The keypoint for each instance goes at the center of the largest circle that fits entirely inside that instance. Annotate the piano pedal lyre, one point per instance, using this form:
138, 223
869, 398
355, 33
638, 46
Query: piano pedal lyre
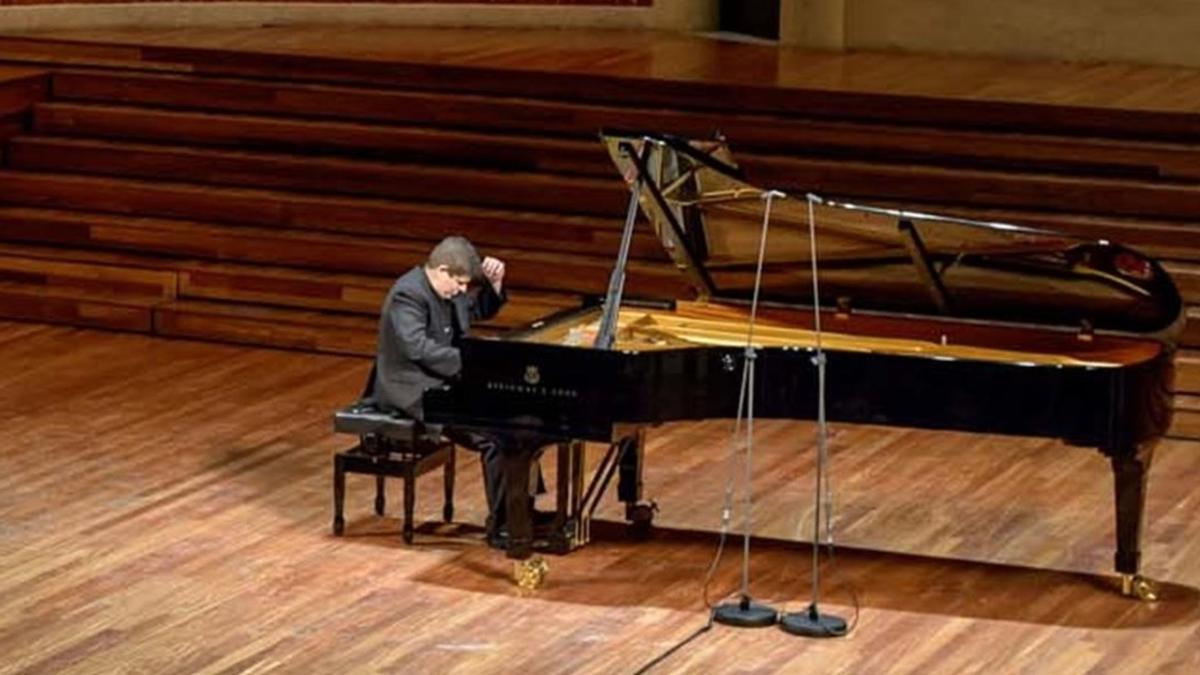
1138, 586
530, 574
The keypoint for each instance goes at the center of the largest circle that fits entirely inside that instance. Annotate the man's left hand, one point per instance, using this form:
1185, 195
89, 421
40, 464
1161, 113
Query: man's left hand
493, 271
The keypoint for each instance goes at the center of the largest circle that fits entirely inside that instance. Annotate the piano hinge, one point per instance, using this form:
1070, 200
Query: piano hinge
843, 308
1087, 332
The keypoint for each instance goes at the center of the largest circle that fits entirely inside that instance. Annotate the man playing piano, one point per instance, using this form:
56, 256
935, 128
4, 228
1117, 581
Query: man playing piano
425, 313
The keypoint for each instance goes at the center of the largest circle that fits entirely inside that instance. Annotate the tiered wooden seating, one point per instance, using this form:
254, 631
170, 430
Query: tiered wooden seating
267, 326
322, 212
583, 275
404, 143
285, 188
111, 295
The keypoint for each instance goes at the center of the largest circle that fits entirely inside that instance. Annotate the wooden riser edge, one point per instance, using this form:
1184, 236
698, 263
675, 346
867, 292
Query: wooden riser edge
1185, 422
213, 322
594, 88
136, 277
118, 315
489, 144
304, 331
597, 197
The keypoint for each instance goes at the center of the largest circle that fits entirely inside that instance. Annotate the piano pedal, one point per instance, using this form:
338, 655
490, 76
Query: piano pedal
1138, 586
530, 574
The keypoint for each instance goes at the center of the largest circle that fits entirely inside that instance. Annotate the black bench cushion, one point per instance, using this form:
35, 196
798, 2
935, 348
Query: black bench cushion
362, 419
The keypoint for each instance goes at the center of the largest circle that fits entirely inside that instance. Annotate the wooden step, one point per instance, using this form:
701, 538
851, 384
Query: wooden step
1187, 371
517, 190
87, 278
81, 293
339, 292
26, 303
1186, 276
54, 52
792, 133
98, 274
1190, 335
562, 194
20, 88
557, 272
397, 143
818, 97
116, 259
1162, 239
916, 184
357, 215
1077, 156
267, 327
765, 135
1185, 421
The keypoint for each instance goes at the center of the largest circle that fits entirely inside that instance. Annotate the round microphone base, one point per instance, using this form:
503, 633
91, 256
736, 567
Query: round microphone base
745, 614
811, 623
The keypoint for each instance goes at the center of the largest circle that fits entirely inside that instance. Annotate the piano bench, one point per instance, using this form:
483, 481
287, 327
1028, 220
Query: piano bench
390, 446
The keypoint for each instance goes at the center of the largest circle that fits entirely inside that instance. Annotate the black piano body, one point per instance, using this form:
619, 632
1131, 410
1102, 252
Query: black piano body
939, 324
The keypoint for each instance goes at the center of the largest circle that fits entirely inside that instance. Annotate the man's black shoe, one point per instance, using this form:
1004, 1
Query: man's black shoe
498, 539
543, 523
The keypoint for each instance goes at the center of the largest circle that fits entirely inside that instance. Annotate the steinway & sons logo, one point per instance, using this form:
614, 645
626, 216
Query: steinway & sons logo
531, 384
532, 375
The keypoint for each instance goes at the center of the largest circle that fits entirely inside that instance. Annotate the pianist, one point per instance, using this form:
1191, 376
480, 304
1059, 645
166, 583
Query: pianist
424, 314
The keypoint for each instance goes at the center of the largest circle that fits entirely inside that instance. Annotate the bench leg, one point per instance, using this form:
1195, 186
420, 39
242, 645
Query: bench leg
410, 500
448, 484
339, 493
380, 495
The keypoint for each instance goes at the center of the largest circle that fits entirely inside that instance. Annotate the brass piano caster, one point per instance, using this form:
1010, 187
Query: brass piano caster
530, 574
1138, 586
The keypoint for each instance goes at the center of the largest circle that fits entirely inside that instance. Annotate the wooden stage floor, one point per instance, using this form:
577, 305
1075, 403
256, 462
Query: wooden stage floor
165, 508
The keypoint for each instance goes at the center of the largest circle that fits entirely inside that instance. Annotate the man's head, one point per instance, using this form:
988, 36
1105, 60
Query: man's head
451, 266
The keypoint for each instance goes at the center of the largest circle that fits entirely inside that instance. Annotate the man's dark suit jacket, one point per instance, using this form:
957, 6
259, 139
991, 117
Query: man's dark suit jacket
418, 332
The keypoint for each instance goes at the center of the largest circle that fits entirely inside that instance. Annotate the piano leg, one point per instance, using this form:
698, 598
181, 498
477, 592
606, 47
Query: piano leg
629, 484
517, 463
1129, 479
529, 571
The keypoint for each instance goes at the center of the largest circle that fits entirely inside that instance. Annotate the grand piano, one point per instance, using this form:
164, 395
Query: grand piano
927, 322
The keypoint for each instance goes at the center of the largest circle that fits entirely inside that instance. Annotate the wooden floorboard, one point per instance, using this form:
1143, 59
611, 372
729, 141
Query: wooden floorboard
166, 507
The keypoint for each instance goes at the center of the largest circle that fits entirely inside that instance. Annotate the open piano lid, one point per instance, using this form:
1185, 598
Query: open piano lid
709, 220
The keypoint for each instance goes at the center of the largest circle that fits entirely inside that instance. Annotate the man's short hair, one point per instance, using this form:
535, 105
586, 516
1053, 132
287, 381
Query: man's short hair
458, 255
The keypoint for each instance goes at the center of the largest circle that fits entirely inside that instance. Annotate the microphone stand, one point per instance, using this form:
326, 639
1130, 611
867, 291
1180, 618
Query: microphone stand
812, 622
745, 612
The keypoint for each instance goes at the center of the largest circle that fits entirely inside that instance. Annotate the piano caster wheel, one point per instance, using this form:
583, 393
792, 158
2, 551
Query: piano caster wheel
1138, 586
640, 517
339, 526
530, 574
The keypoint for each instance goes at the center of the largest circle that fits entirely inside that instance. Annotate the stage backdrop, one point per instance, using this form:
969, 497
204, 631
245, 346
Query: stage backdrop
673, 15
1138, 31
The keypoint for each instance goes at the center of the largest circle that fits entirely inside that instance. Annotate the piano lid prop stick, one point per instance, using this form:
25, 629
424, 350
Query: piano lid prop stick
745, 612
811, 622
616, 282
